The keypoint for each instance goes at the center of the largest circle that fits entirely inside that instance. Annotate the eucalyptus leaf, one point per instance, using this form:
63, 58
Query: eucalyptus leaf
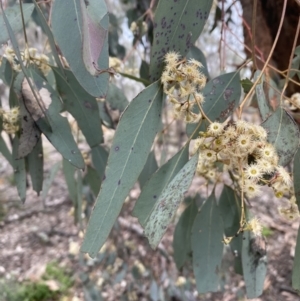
5, 151
296, 177
254, 265
116, 98
99, 158
168, 202
67, 24
6, 71
69, 173
157, 183
49, 179
222, 95
149, 168
207, 246
197, 54
177, 25
182, 235
81, 105
19, 171
283, 133
133, 139
14, 17
35, 162
92, 179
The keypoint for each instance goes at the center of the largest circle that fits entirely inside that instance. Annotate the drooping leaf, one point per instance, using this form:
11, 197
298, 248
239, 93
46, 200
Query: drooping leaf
222, 95
94, 35
149, 168
134, 136
296, 177
69, 173
116, 98
157, 183
35, 166
104, 114
283, 133
5, 151
207, 246
19, 171
49, 179
92, 179
296, 265
13, 15
263, 104
48, 31
67, 25
295, 66
254, 265
99, 158
59, 134
30, 133
167, 204
177, 25
230, 211
6, 71
182, 235
197, 54
144, 70
81, 105
246, 85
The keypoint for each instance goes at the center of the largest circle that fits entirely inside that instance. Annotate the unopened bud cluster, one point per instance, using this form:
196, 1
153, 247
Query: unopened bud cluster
182, 82
243, 149
10, 120
29, 56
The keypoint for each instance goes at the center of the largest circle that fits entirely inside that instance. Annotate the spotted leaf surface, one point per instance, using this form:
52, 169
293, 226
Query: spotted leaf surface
207, 246
132, 142
222, 95
157, 184
283, 133
177, 25
168, 202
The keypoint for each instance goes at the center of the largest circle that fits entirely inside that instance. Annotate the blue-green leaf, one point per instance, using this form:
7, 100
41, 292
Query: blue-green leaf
167, 204
92, 179
182, 235
222, 95
283, 133
296, 265
177, 25
69, 173
49, 179
116, 98
207, 246
19, 171
35, 166
296, 177
197, 54
263, 104
134, 136
149, 168
13, 15
5, 151
59, 134
6, 72
67, 25
99, 158
157, 183
254, 265
81, 105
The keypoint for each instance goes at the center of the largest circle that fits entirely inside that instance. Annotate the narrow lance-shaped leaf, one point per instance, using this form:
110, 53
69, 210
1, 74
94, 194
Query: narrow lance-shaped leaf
149, 168
296, 177
5, 151
296, 265
99, 158
13, 15
157, 183
168, 202
35, 166
49, 180
283, 133
116, 98
177, 25
134, 136
263, 105
182, 235
19, 171
67, 24
6, 71
222, 95
254, 265
81, 105
207, 246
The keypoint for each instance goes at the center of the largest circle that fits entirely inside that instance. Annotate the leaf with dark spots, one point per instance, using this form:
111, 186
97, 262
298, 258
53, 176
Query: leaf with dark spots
168, 202
283, 133
222, 95
176, 29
